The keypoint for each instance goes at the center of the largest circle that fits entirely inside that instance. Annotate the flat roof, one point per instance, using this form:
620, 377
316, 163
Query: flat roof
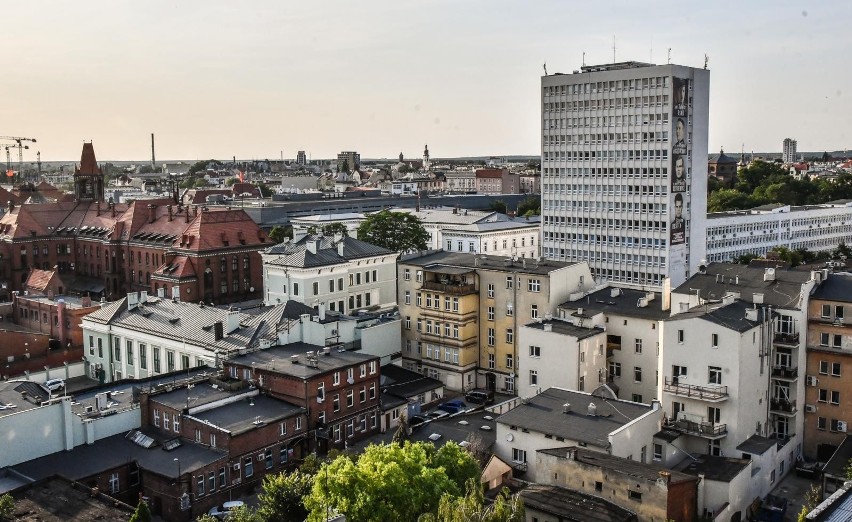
481, 262
625, 303
565, 328
721, 279
279, 359
757, 445
560, 501
634, 468
57, 499
248, 414
543, 413
836, 465
721, 469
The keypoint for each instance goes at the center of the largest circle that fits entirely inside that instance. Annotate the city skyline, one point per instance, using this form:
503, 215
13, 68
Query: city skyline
385, 78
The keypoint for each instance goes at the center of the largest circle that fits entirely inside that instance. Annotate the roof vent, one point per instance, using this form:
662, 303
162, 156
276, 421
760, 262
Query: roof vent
593, 410
769, 274
294, 359
566, 408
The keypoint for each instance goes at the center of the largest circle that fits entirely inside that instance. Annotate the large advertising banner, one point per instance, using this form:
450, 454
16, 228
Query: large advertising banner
680, 95
679, 165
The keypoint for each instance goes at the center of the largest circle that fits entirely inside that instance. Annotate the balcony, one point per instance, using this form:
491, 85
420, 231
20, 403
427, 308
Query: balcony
784, 373
692, 391
786, 339
449, 288
783, 407
703, 429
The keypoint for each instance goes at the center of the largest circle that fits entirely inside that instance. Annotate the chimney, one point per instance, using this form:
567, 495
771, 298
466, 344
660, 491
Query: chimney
312, 245
548, 327
769, 274
112, 207
751, 314
195, 211
152, 214
171, 215
571, 454
132, 301
218, 331
757, 299
143, 297
60, 316
161, 292
186, 217
667, 294
340, 249
322, 311
98, 208
233, 321
175, 292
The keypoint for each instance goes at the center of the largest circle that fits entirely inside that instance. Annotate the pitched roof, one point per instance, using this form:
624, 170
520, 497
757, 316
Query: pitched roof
838, 287
296, 253
625, 303
39, 279
731, 316
213, 230
543, 413
88, 163
561, 501
634, 468
720, 279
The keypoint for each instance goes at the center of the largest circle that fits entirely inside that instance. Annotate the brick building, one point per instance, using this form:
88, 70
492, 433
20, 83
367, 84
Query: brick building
200, 253
339, 389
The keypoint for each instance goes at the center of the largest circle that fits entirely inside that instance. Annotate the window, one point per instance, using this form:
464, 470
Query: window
519, 455
837, 341
821, 423
598, 486
714, 375
510, 335
212, 440
156, 359
680, 336
491, 290
823, 339
143, 356
282, 455
321, 391
826, 310
298, 423
637, 346
491, 336
614, 369
362, 395
634, 495
533, 378
637, 374
510, 309
335, 402
170, 360
535, 351
157, 418
316, 288
350, 398
838, 312
823, 367
408, 297
419, 276
714, 340
491, 361
100, 348
658, 452
211, 481
714, 414
509, 281
372, 367
336, 380
835, 369
534, 285
406, 274
372, 391
130, 353
510, 361
534, 311
835, 397
267, 455
176, 423
222, 481
248, 466
114, 484
362, 370
295, 291
199, 489
490, 313
165, 421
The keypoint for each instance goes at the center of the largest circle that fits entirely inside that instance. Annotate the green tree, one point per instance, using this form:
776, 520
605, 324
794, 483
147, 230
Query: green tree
265, 191
7, 507
794, 257
842, 250
728, 199
230, 181
745, 259
201, 166
281, 499
343, 166
142, 513
472, 508
498, 206
397, 231
279, 233
389, 482
530, 206
200, 183
812, 499
401, 435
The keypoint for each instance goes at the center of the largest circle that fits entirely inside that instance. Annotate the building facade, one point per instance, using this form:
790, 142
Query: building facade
624, 170
760, 230
788, 150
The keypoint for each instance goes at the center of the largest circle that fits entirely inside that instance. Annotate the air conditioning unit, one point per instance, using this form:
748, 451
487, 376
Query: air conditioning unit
841, 426
350, 380
236, 466
260, 457
810, 408
334, 332
811, 380
320, 400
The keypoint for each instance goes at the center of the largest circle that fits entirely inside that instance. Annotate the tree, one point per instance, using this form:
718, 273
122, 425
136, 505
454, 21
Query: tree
281, 499
812, 499
401, 435
498, 206
200, 183
472, 508
530, 206
390, 482
279, 233
142, 513
265, 191
343, 166
7, 507
397, 231
330, 230
230, 181
842, 250
745, 259
794, 257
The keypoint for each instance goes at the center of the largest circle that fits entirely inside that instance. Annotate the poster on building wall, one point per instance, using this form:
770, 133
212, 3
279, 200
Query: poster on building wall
680, 95
679, 146
678, 174
677, 228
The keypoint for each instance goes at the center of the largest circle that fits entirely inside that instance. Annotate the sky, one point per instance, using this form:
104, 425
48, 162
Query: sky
266, 78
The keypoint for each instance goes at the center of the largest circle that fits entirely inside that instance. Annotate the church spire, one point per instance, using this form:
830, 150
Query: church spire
88, 177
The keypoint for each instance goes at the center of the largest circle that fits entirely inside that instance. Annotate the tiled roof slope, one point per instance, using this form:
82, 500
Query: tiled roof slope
296, 253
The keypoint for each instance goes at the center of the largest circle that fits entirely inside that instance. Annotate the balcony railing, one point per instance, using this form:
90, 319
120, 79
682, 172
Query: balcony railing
786, 338
707, 430
704, 393
785, 373
456, 289
782, 407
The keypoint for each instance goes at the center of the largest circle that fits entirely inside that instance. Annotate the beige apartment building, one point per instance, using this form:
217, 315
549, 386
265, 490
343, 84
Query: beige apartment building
462, 313
828, 395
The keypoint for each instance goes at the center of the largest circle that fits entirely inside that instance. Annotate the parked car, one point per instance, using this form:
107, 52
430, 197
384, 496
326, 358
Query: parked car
222, 512
417, 420
453, 406
480, 397
54, 385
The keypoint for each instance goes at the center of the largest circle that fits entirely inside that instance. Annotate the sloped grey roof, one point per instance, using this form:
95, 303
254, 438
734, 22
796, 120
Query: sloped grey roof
838, 287
566, 328
543, 414
296, 253
732, 316
193, 323
721, 279
559, 501
626, 303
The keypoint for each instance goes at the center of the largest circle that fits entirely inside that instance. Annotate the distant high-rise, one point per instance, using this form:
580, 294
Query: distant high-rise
624, 170
350, 161
301, 158
788, 155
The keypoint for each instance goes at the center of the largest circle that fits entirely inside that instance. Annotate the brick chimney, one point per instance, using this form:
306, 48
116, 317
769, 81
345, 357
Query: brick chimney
171, 215
152, 214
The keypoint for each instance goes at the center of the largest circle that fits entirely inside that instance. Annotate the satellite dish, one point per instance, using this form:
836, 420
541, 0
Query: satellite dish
510, 437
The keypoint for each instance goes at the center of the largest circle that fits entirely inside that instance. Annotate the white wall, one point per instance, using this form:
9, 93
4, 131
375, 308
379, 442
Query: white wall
559, 363
382, 339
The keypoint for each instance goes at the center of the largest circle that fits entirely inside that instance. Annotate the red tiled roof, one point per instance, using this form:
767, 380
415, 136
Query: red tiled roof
239, 189
88, 163
214, 229
39, 279
489, 173
179, 267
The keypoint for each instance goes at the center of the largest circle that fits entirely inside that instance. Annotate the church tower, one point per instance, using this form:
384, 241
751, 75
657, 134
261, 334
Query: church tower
426, 163
88, 177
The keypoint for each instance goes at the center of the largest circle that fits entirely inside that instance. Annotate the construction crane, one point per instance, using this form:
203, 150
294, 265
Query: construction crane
19, 143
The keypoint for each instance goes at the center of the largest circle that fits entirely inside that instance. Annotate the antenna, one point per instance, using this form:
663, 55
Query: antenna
706, 60
669, 60
545, 68
584, 58
613, 49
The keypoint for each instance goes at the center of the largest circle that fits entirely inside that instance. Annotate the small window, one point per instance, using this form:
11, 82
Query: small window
634, 495
714, 375
598, 486
714, 340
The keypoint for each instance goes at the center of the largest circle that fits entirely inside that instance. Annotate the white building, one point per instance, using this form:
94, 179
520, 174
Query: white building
624, 170
341, 273
759, 230
461, 181
559, 354
788, 153
304, 224
632, 320
556, 418
479, 232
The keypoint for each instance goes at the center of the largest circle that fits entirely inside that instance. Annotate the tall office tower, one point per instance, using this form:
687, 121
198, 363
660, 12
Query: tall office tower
624, 170
301, 158
789, 151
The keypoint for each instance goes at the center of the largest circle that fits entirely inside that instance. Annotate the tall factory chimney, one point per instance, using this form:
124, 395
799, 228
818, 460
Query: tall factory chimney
153, 157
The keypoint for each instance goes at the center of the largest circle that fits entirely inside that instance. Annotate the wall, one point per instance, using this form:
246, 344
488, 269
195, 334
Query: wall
559, 364
628, 440
382, 340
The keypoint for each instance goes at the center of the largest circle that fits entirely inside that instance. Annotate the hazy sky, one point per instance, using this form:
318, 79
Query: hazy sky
253, 79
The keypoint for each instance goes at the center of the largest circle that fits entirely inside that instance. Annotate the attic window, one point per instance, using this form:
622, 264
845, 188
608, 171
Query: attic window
174, 320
